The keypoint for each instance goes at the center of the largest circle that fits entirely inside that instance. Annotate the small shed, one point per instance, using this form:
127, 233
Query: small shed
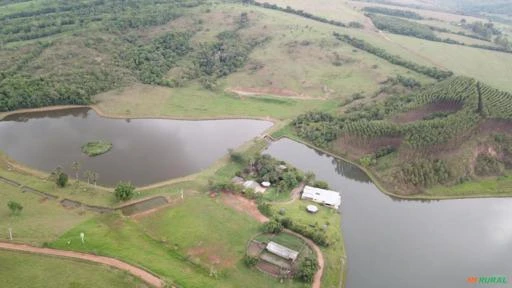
250, 184
282, 251
325, 197
237, 180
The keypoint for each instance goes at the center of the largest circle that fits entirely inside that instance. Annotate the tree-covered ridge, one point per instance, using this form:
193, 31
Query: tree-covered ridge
414, 29
477, 101
394, 59
106, 50
393, 12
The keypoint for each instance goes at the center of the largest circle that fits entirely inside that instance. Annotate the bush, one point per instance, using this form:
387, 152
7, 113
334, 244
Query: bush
250, 261
62, 180
307, 270
15, 207
272, 226
321, 184
124, 191
487, 165
265, 209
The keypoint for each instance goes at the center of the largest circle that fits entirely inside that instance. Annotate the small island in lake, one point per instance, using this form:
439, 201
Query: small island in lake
96, 148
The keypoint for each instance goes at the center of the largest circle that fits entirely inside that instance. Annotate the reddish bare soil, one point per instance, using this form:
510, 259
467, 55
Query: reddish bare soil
273, 91
243, 205
357, 147
138, 272
421, 112
491, 125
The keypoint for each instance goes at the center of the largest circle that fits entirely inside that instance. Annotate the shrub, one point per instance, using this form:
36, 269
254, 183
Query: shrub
62, 180
250, 261
265, 209
307, 269
15, 207
124, 191
321, 184
486, 165
272, 226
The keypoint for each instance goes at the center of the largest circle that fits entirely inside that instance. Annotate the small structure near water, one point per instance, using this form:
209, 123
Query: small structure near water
250, 184
325, 197
282, 251
312, 209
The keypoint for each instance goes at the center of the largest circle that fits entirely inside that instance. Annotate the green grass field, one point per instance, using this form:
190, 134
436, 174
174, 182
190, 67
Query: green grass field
40, 221
197, 243
22, 270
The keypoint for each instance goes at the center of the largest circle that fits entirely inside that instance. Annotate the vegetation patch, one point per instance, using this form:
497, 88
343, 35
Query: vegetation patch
96, 148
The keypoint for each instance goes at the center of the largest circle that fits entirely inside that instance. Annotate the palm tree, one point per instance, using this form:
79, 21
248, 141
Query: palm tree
76, 167
88, 175
95, 177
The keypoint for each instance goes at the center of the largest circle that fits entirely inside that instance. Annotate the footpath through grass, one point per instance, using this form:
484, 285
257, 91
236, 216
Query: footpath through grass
22, 270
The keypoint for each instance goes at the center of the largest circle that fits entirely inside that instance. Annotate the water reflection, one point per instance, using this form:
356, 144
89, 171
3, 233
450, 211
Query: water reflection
403, 244
144, 151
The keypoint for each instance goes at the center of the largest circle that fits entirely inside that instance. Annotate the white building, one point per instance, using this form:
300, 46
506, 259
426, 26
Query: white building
282, 251
325, 197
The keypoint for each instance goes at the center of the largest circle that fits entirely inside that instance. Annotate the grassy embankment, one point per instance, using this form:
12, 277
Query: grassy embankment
20, 270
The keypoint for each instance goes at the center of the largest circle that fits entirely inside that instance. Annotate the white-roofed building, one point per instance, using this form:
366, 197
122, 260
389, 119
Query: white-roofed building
325, 197
282, 251
250, 184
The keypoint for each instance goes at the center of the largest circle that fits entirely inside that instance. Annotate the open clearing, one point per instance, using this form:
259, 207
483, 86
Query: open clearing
21, 270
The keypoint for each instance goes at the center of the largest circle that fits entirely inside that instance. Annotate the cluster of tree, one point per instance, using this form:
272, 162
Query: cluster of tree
488, 165
504, 147
301, 13
152, 61
124, 191
394, 12
269, 169
15, 207
307, 270
495, 103
397, 60
315, 233
403, 27
485, 30
423, 173
222, 57
319, 128
372, 159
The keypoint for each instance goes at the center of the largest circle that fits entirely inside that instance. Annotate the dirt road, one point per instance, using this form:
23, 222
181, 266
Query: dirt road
244, 205
138, 272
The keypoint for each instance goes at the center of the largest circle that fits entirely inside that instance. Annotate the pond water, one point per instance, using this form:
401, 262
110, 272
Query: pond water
145, 151
406, 244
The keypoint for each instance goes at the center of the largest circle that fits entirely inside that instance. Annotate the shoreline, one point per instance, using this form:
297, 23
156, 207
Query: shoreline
39, 173
107, 115
379, 185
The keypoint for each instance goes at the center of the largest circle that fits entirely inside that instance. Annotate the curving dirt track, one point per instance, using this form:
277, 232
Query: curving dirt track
138, 272
245, 205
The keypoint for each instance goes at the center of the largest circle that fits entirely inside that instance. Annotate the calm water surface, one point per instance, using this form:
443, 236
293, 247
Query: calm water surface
144, 151
410, 244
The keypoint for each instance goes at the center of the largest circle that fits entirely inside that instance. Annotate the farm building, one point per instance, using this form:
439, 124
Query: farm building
282, 251
254, 185
322, 196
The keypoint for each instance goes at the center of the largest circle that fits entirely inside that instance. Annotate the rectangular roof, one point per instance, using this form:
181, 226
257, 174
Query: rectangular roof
282, 251
323, 196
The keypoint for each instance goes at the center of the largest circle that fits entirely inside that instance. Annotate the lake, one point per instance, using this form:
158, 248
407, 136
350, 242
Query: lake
145, 151
394, 243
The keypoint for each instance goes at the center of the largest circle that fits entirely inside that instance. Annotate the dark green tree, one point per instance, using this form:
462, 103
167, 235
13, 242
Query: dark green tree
124, 191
